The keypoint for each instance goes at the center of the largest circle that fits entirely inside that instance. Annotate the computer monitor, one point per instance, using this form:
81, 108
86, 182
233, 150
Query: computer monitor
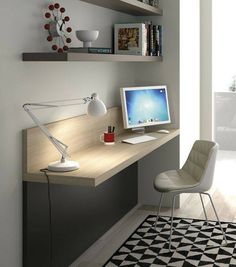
144, 106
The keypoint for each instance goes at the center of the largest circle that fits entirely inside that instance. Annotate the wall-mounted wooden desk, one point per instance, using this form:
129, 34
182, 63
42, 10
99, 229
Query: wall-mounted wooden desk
100, 162
88, 201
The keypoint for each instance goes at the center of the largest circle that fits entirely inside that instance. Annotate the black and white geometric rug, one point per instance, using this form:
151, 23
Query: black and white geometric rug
193, 244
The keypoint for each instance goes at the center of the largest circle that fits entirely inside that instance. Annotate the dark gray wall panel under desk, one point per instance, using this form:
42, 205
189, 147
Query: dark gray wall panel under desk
80, 215
164, 158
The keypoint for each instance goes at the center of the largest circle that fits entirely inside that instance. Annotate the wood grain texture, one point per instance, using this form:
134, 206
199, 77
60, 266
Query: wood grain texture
98, 162
78, 133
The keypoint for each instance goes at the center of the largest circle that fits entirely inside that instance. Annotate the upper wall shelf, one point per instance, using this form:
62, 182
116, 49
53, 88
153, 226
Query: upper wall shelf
132, 7
88, 57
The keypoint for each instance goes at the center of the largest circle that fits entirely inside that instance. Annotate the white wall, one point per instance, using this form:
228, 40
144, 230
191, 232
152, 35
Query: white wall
162, 73
34, 81
166, 72
206, 70
189, 75
180, 69
22, 31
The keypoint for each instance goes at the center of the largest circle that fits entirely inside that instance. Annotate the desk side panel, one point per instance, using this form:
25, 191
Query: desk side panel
80, 216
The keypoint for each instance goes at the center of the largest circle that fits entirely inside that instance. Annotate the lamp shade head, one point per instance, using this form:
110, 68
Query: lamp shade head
96, 107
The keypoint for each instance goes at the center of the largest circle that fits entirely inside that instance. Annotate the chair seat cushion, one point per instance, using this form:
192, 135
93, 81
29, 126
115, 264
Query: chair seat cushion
174, 180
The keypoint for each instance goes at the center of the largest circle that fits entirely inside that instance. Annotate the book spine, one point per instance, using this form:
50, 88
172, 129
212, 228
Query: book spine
160, 30
147, 26
95, 50
157, 41
154, 52
147, 36
100, 50
151, 40
144, 40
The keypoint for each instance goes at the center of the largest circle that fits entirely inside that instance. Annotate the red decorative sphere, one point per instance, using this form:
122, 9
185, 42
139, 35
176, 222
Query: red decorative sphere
47, 26
51, 7
66, 18
56, 5
49, 38
68, 40
54, 47
65, 47
69, 29
47, 15
60, 50
62, 9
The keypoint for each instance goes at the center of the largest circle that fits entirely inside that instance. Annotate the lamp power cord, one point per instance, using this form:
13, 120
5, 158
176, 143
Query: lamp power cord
50, 215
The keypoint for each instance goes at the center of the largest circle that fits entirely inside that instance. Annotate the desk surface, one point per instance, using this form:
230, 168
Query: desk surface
100, 162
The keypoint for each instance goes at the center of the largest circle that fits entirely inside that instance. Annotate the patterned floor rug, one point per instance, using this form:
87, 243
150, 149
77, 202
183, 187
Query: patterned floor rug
194, 243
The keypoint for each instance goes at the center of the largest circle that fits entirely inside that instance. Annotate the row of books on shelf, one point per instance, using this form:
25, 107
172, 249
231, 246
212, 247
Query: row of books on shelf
144, 39
154, 3
154, 40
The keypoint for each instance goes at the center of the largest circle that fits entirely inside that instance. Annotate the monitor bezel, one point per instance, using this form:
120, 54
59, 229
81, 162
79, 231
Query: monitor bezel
124, 106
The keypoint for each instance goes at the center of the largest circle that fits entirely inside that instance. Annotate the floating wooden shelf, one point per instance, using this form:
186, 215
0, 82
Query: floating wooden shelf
88, 57
133, 7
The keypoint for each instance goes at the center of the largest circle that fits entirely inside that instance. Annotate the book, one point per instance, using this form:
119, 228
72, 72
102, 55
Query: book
154, 46
147, 26
94, 50
144, 1
151, 41
130, 39
160, 29
155, 40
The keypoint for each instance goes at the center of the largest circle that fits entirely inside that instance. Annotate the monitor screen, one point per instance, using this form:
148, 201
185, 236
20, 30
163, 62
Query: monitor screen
145, 106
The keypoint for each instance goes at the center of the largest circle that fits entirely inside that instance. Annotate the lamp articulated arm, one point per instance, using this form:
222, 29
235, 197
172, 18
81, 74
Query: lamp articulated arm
95, 108
60, 146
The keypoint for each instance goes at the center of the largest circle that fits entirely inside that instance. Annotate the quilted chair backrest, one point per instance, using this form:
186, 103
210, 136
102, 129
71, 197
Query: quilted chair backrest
200, 163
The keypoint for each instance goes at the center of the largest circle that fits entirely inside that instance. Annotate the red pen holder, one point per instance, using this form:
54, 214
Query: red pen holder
108, 138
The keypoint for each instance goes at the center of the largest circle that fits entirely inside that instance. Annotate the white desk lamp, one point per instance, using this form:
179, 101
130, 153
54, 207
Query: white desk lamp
95, 108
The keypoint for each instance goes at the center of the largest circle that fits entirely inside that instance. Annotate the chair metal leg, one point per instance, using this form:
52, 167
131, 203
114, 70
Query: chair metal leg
159, 209
223, 233
171, 226
204, 208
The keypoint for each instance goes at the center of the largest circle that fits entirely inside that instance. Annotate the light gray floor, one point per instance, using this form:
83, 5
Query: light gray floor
223, 193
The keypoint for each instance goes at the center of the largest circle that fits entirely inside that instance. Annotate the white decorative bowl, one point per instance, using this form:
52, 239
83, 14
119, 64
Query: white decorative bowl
87, 36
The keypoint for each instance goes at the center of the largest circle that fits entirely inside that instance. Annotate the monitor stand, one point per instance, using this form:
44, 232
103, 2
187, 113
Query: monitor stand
138, 130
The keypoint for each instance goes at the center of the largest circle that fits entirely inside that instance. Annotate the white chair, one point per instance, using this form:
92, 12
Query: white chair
196, 176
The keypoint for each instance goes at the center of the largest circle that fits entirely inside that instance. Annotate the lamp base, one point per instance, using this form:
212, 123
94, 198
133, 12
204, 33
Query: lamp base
67, 166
